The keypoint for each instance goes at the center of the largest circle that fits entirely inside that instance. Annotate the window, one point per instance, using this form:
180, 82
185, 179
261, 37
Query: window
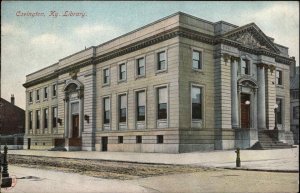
279, 111
141, 103
161, 60
196, 103
30, 97
30, 119
141, 66
106, 114
122, 71
245, 66
160, 139
106, 76
278, 77
295, 94
54, 90
38, 116
122, 108
162, 103
138, 139
45, 118
120, 139
46, 92
197, 60
296, 112
37, 95
54, 117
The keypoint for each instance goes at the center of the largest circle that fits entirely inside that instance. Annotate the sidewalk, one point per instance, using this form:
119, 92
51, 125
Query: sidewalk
281, 160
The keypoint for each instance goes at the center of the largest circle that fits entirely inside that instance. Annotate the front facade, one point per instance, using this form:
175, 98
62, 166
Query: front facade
179, 84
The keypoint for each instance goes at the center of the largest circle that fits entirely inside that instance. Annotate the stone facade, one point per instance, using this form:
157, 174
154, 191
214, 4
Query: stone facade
176, 85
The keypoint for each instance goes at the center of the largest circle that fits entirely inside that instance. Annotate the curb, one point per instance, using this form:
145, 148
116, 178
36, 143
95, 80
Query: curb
261, 170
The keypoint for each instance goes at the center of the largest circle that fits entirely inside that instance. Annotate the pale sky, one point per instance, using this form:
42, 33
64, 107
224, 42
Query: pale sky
31, 43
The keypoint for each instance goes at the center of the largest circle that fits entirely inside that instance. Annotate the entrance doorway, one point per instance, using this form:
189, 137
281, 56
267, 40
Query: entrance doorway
104, 143
28, 143
245, 110
75, 124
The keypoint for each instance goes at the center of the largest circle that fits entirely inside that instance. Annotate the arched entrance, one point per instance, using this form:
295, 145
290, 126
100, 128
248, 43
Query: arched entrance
247, 96
246, 135
73, 114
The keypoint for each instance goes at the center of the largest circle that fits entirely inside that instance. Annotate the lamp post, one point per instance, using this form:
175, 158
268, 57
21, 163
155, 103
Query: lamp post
275, 112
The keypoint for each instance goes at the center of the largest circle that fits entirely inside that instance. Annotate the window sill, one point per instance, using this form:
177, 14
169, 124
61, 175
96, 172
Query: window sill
161, 71
197, 123
122, 81
37, 101
140, 76
123, 126
140, 124
162, 123
279, 86
54, 97
106, 127
30, 103
105, 85
198, 70
45, 99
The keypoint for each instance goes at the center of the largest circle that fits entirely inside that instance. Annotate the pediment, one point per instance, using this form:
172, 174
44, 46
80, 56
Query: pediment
252, 37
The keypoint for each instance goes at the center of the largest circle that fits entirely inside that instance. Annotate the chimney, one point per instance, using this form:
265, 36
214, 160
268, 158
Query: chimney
12, 99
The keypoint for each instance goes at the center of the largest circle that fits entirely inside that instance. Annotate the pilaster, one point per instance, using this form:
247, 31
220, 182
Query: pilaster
89, 109
223, 92
270, 97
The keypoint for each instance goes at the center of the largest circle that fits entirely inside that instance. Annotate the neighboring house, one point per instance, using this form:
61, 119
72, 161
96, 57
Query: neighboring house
12, 124
294, 86
179, 84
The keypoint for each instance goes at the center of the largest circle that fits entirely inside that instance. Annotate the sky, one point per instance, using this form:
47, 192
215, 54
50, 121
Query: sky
29, 43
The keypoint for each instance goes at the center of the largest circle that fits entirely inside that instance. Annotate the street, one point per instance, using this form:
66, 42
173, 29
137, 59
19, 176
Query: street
33, 180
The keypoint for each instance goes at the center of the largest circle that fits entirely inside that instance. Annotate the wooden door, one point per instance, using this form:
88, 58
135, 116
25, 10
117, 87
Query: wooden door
75, 123
245, 111
245, 115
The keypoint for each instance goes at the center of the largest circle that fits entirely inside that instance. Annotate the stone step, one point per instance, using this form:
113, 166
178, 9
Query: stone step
266, 141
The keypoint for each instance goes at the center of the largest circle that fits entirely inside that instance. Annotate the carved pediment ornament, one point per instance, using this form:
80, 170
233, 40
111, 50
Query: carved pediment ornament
272, 68
73, 74
248, 83
247, 38
226, 57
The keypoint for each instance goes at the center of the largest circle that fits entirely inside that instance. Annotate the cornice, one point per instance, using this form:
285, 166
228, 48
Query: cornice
160, 37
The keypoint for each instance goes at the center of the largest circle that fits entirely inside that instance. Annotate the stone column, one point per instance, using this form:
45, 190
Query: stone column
66, 118
234, 94
261, 100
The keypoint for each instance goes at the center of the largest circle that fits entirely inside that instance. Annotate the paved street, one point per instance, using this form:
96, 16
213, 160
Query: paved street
36, 180
273, 160
284, 164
